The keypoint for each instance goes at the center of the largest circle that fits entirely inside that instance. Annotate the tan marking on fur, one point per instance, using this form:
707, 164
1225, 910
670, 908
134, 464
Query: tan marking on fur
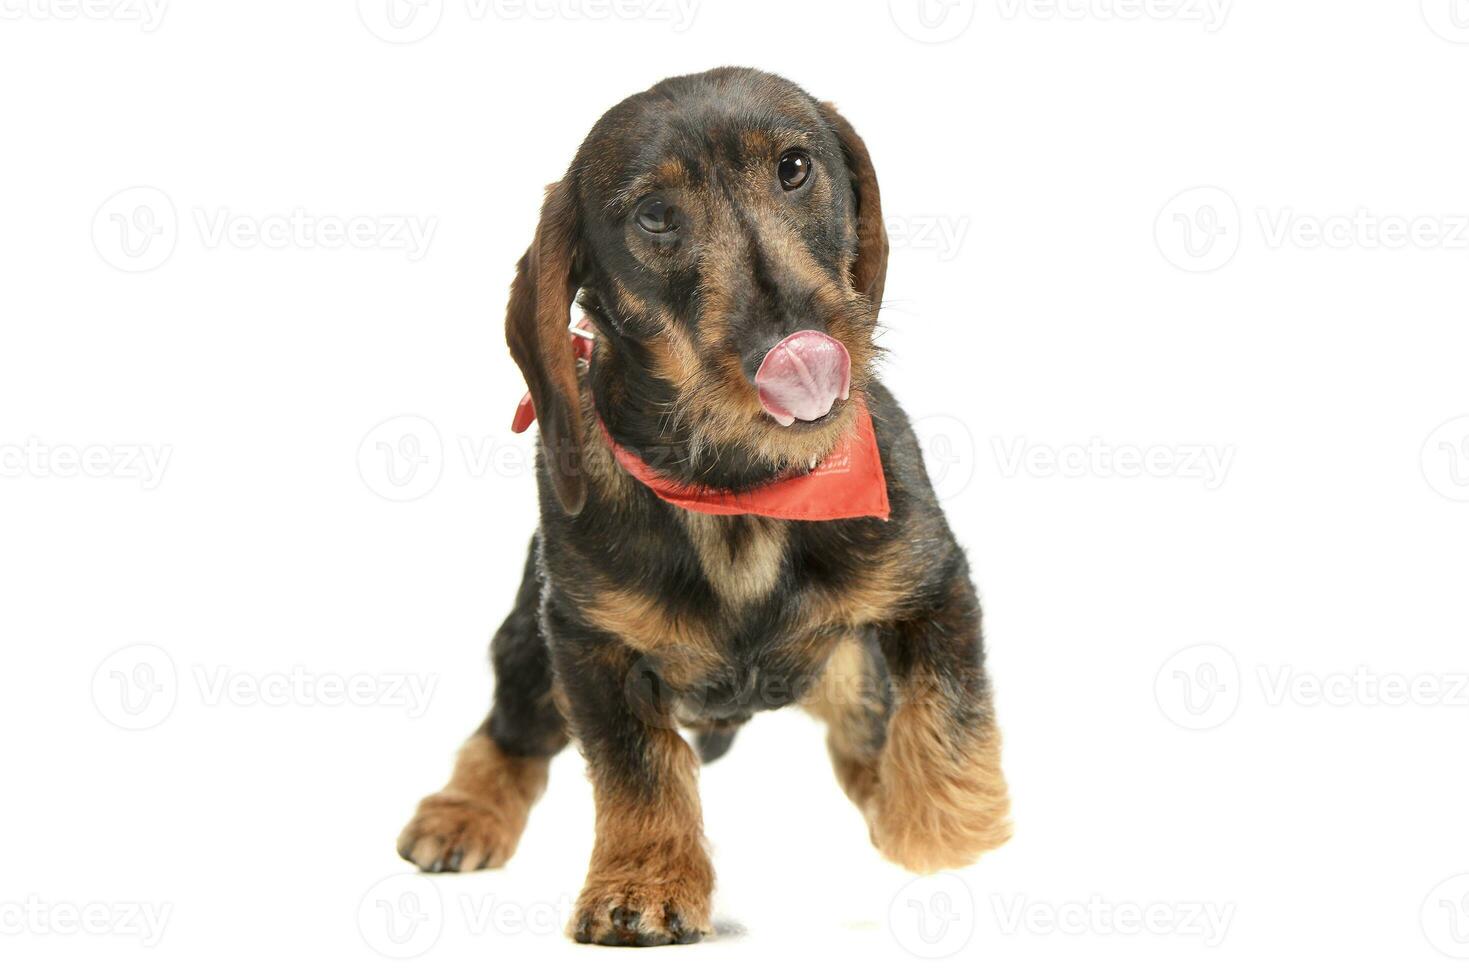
681, 646
650, 856
675, 360
629, 304
602, 470
939, 803
874, 597
845, 700
738, 579
671, 172
559, 698
480, 814
785, 246
598, 463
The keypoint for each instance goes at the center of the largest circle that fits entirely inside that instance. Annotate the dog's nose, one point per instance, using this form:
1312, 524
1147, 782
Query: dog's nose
803, 376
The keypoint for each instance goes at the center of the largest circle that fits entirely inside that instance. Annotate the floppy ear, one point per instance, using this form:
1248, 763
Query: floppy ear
536, 328
870, 270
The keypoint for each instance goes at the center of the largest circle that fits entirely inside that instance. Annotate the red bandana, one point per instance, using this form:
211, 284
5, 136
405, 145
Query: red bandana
847, 483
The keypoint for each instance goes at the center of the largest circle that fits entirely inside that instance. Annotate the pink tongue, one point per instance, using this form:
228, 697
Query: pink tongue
803, 376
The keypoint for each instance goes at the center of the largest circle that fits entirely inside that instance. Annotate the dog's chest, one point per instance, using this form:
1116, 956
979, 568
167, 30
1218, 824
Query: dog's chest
742, 612
761, 651
742, 558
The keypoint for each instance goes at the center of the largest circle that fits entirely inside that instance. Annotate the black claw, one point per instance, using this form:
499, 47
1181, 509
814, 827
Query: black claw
625, 919
454, 860
682, 935
625, 928
437, 866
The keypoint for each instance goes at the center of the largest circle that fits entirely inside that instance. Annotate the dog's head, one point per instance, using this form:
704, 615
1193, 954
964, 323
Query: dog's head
724, 232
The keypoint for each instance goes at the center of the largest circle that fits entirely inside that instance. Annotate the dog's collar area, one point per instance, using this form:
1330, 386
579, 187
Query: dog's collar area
582, 341
848, 483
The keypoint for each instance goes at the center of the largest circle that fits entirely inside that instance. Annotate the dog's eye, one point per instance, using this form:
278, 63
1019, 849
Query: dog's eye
656, 216
794, 168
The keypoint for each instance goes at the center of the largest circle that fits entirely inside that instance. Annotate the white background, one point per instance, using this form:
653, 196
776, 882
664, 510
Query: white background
1198, 671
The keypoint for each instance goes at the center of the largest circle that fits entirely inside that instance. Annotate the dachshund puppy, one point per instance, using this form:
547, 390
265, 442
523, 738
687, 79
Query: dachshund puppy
734, 513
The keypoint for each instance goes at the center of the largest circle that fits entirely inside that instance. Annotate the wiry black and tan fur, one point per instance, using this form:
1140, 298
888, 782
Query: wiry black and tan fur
636, 618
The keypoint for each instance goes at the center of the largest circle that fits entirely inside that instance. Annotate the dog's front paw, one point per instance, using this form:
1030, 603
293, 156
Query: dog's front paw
939, 802
644, 909
454, 832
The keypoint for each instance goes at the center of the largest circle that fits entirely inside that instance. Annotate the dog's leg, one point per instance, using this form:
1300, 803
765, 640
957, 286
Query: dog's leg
940, 798
854, 698
650, 879
477, 819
